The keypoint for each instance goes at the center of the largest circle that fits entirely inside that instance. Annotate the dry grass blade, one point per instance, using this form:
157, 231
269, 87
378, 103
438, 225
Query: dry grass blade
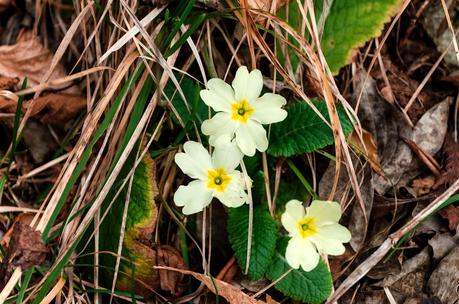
132, 32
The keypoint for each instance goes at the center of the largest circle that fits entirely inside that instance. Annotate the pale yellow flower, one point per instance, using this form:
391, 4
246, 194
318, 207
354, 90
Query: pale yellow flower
313, 231
215, 176
241, 110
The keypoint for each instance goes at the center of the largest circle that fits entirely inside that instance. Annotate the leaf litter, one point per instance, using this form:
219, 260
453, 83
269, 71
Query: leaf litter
405, 158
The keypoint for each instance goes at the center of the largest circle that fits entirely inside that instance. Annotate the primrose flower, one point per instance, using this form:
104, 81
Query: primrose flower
215, 176
313, 231
241, 110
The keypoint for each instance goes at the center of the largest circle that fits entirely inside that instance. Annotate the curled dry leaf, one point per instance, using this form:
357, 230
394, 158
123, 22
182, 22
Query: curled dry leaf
28, 58
232, 294
55, 108
25, 249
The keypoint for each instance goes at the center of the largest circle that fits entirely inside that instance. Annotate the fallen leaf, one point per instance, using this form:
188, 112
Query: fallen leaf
422, 186
433, 21
451, 213
28, 58
429, 132
410, 280
39, 141
444, 279
442, 244
369, 146
232, 294
389, 127
25, 249
55, 108
8, 83
24, 218
169, 256
451, 172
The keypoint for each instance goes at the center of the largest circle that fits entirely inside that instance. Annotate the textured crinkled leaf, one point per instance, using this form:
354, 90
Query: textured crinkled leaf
311, 287
191, 89
304, 131
264, 236
351, 23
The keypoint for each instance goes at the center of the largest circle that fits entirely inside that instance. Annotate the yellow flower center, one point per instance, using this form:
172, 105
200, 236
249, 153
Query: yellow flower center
218, 179
307, 227
241, 111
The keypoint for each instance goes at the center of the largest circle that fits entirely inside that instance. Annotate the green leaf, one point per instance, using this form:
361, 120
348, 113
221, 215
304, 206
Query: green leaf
191, 89
304, 131
351, 23
311, 287
264, 236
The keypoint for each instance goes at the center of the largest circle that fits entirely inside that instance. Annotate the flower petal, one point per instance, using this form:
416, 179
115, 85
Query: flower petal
195, 161
325, 212
194, 197
328, 246
251, 136
294, 212
301, 252
247, 85
219, 125
219, 96
226, 154
335, 231
268, 108
329, 239
234, 195
221, 88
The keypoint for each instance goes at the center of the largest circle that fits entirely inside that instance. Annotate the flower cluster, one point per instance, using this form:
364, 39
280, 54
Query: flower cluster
237, 130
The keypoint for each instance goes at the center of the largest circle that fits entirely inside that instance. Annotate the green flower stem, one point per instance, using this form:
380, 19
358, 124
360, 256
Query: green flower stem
302, 179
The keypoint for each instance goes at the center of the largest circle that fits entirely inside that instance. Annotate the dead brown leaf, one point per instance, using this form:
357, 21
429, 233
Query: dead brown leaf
232, 294
55, 108
422, 186
451, 171
368, 145
169, 280
28, 58
8, 83
26, 249
451, 213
